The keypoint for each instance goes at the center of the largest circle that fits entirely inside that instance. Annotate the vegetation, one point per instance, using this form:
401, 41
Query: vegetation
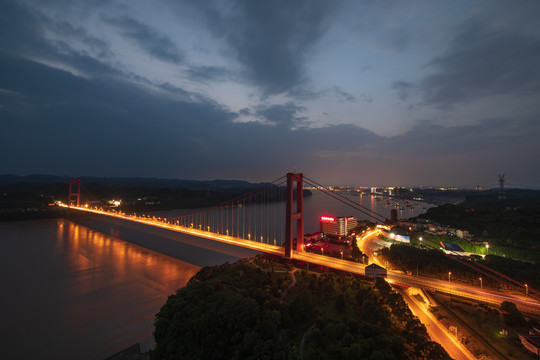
434, 263
510, 227
251, 310
486, 324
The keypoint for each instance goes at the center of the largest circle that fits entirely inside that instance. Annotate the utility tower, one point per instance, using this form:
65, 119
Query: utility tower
502, 195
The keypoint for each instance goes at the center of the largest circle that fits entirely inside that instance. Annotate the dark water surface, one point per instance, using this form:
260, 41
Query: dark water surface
69, 292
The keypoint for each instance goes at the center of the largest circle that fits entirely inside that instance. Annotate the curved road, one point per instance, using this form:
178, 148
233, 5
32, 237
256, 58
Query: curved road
436, 331
369, 244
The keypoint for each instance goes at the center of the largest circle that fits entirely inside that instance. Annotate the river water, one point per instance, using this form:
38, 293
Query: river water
315, 206
73, 293
70, 292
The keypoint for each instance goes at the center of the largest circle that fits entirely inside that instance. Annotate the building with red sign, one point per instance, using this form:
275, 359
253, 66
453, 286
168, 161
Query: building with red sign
338, 226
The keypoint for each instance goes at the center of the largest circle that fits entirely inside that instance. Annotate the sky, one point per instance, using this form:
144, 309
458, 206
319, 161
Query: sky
427, 92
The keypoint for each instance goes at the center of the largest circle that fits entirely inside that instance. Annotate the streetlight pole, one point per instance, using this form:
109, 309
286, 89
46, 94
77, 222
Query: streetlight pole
449, 273
480, 283
341, 252
487, 249
526, 289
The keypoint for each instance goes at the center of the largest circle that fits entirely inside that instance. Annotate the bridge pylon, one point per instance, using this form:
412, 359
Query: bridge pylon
72, 192
294, 215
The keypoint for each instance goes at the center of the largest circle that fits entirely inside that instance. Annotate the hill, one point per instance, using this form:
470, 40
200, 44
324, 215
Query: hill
261, 309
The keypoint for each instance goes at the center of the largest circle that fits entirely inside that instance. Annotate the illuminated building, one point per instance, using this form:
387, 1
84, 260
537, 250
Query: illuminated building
340, 226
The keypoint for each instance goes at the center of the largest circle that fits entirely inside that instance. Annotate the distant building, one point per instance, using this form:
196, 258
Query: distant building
375, 270
340, 226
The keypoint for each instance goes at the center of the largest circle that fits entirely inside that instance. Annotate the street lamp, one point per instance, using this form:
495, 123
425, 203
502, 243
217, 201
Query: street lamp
449, 273
341, 252
420, 238
487, 249
526, 289
480, 283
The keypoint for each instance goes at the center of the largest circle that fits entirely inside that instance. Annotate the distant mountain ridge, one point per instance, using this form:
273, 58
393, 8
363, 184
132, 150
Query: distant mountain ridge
131, 182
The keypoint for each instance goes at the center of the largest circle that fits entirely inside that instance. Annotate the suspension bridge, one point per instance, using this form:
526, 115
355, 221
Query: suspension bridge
270, 220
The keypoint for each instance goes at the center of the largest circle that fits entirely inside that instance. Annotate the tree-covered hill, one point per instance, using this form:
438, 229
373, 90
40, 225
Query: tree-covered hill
516, 227
260, 309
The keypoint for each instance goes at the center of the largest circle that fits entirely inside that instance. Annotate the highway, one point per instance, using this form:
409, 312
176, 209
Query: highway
436, 331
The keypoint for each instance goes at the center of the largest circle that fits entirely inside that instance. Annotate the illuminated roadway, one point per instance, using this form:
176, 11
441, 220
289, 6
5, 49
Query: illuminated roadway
263, 247
366, 245
436, 331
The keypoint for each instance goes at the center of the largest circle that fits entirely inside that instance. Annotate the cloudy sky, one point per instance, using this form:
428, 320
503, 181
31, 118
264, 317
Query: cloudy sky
348, 92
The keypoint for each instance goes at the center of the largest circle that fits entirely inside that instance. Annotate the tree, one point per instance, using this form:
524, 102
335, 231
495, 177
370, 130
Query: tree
356, 252
512, 316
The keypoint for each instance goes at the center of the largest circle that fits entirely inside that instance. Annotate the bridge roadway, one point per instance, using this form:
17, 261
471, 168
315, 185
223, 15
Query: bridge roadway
524, 304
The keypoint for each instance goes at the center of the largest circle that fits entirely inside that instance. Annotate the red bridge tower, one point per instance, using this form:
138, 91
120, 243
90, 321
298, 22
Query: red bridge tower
292, 215
72, 192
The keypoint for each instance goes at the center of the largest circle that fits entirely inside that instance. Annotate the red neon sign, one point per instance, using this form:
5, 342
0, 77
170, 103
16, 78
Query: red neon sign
328, 218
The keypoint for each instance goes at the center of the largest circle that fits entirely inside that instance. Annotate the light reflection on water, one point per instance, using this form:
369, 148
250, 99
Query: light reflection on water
74, 293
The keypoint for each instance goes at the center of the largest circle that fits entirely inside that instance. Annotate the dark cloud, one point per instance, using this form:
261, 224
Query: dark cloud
105, 126
345, 96
65, 110
205, 74
24, 33
98, 46
403, 89
272, 39
282, 115
302, 93
155, 44
22, 29
481, 62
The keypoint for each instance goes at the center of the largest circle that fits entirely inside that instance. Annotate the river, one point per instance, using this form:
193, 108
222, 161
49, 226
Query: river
73, 293
70, 292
